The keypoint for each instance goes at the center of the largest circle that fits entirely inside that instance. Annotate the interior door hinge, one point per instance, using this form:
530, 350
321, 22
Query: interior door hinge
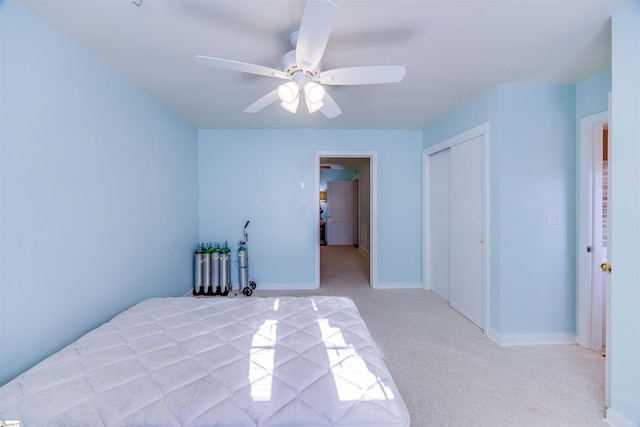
589, 249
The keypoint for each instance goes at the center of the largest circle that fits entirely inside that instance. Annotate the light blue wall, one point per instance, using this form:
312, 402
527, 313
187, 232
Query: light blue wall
257, 174
335, 175
537, 175
484, 108
625, 217
592, 95
98, 191
531, 282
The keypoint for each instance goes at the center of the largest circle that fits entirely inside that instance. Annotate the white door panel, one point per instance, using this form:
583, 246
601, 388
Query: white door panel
339, 213
466, 274
439, 214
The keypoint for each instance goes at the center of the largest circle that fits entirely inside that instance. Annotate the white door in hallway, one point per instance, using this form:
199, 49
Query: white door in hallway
339, 213
466, 291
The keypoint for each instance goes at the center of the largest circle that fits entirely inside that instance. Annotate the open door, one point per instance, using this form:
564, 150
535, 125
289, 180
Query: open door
594, 242
607, 268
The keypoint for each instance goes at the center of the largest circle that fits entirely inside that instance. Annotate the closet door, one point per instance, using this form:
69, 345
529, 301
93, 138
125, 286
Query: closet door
439, 213
466, 274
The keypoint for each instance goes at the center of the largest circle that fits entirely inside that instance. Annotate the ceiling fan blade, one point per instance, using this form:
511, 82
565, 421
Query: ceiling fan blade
315, 29
330, 108
243, 67
266, 100
363, 75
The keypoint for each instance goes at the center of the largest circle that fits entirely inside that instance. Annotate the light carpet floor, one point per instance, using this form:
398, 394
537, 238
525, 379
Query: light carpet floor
449, 373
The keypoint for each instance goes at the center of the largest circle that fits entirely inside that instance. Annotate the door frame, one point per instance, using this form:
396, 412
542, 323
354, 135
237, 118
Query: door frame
591, 128
481, 131
355, 206
373, 209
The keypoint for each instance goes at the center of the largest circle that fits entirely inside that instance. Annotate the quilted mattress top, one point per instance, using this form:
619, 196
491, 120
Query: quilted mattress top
186, 361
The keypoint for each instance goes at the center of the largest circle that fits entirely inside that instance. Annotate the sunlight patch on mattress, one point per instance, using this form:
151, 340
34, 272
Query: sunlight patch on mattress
352, 378
263, 351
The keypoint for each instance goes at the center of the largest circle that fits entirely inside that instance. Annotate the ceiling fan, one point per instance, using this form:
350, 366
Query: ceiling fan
301, 67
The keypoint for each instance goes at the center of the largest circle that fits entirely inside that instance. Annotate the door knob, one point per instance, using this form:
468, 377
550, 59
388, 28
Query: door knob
605, 267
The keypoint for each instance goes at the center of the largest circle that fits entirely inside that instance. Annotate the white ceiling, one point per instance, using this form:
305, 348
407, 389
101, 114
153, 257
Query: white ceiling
453, 50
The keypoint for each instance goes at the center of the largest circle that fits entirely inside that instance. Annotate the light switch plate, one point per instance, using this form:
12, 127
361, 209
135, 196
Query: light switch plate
553, 218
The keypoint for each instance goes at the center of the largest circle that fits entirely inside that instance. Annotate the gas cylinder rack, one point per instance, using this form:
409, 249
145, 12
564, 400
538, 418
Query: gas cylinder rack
212, 270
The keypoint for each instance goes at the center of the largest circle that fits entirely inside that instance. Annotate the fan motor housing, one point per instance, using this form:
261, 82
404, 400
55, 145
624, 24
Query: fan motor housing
297, 74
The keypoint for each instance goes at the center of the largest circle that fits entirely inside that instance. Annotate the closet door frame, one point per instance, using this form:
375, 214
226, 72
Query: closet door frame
478, 131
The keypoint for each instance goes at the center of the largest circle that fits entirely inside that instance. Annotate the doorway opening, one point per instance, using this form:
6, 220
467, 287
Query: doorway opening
346, 185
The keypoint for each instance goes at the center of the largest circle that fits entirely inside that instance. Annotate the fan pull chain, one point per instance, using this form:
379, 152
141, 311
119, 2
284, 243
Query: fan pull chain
302, 152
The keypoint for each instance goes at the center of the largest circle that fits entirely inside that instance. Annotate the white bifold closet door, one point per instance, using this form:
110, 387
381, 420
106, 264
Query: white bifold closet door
466, 279
457, 217
439, 214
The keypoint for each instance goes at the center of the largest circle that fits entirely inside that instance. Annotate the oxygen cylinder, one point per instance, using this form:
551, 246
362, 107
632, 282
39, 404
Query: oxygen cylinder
197, 282
225, 264
206, 270
243, 265
215, 269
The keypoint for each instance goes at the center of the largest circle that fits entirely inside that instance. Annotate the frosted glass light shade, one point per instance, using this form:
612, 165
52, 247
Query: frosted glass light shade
314, 92
313, 107
288, 92
292, 106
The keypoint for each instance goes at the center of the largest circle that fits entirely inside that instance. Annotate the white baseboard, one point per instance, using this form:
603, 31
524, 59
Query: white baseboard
364, 251
614, 418
493, 335
398, 285
531, 339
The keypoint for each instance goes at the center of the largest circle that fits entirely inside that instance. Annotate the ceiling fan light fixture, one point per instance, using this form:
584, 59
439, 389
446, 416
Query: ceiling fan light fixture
313, 92
289, 92
313, 106
291, 107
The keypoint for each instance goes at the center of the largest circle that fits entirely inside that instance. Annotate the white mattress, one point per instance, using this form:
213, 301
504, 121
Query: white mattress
214, 361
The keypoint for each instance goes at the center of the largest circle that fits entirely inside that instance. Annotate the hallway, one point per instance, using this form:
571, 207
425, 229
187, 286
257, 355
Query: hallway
343, 265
